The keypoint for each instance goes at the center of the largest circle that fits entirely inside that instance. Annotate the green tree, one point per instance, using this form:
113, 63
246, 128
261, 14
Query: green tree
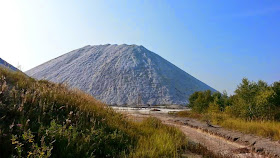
199, 101
276, 89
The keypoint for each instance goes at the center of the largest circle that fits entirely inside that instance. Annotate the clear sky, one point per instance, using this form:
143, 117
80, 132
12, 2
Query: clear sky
218, 42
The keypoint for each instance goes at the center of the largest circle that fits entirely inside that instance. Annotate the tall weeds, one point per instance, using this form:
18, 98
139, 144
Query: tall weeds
43, 119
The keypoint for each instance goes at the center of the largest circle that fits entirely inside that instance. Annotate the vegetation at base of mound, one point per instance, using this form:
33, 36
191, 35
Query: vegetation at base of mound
43, 119
254, 108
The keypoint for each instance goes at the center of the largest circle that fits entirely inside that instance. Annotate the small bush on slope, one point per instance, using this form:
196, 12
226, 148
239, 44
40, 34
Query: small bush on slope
42, 119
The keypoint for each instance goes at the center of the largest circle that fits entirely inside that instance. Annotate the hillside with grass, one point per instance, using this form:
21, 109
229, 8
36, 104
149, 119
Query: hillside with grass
42, 119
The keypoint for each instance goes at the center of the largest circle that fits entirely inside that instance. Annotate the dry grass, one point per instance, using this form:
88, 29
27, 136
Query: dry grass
268, 129
189, 114
159, 141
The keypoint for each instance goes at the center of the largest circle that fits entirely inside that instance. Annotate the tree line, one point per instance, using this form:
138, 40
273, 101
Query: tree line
251, 101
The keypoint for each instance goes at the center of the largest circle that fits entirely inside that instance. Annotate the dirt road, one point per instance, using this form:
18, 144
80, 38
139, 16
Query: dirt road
218, 140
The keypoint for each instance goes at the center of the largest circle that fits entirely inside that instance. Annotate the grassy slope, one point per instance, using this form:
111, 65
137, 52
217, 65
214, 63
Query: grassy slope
39, 118
270, 129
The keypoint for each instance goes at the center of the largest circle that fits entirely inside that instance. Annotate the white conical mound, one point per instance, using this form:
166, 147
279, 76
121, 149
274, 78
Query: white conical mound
122, 75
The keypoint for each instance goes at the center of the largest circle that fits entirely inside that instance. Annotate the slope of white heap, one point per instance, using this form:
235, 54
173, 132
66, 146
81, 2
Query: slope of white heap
121, 75
4, 64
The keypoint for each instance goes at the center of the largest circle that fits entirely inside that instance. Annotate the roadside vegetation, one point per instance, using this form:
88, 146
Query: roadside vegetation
254, 108
43, 119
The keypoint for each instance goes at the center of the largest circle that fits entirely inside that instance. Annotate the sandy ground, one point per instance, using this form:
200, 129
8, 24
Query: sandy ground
213, 142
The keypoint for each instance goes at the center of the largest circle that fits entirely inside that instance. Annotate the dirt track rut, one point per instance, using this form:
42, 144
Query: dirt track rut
214, 142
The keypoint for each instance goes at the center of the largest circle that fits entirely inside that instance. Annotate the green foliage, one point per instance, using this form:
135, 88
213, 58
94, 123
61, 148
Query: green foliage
200, 101
276, 89
252, 101
25, 145
254, 108
42, 119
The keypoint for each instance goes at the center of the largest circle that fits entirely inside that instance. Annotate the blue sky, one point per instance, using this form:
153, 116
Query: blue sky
218, 42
